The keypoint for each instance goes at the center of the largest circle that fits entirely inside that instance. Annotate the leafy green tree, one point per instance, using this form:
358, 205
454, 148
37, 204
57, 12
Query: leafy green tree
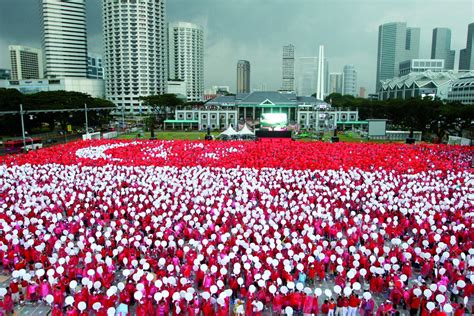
11, 99
68, 100
161, 107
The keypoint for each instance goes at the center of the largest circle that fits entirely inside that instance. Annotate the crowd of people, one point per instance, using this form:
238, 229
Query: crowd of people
236, 228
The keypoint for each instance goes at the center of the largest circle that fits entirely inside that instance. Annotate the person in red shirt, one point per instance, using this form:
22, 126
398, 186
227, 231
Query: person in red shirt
460, 311
339, 305
354, 302
15, 290
325, 307
8, 304
415, 305
332, 307
345, 307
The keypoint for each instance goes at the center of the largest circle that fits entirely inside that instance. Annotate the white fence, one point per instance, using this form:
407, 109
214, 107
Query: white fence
398, 135
90, 136
109, 135
33, 146
98, 135
455, 140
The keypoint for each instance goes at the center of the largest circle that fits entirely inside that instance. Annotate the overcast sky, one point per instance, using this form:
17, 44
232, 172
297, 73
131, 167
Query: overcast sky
256, 30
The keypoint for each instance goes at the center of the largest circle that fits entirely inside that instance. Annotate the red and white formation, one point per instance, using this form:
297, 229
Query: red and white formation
108, 231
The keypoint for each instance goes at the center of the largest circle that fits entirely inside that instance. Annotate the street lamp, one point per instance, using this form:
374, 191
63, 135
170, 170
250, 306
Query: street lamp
87, 123
22, 127
123, 118
31, 139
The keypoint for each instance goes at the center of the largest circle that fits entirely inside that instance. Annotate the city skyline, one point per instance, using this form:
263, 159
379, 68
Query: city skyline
347, 29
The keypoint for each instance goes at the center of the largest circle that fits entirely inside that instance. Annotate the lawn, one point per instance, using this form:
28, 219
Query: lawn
199, 135
169, 135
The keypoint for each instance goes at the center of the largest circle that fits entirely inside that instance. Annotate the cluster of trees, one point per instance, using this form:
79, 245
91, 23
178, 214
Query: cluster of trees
161, 107
10, 100
432, 117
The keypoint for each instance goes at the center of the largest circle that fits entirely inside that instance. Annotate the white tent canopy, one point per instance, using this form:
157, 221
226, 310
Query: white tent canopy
229, 132
245, 131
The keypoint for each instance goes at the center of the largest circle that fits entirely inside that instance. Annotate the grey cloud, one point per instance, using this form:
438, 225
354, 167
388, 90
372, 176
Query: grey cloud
257, 29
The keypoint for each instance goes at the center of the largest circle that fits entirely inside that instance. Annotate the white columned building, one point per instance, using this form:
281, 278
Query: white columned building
135, 51
186, 57
64, 38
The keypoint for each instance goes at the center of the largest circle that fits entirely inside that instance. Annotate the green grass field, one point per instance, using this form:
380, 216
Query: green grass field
169, 135
195, 135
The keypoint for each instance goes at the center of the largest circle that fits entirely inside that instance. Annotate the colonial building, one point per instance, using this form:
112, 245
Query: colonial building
306, 113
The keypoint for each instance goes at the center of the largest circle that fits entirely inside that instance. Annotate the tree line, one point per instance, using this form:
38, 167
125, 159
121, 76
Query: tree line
430, 116
10, 100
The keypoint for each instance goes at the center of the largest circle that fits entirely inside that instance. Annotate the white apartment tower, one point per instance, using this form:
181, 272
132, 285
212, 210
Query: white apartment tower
186, 57
26, 62
64, 38
135, 56
288, 68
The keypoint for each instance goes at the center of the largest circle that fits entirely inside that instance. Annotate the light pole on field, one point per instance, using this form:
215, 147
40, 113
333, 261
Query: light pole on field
87, 123
22, 126
123, 118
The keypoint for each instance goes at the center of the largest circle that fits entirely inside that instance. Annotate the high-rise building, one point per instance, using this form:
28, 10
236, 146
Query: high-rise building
135, 51
335, 82
307, 75
95, 66
396, 43
288, 68
64, 38
362, 92
26, 62
243, 76
186, 57
466, 56
441, 47
350, 80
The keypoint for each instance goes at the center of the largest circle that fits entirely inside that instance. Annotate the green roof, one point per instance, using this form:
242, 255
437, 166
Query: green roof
352, 122
181, 121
